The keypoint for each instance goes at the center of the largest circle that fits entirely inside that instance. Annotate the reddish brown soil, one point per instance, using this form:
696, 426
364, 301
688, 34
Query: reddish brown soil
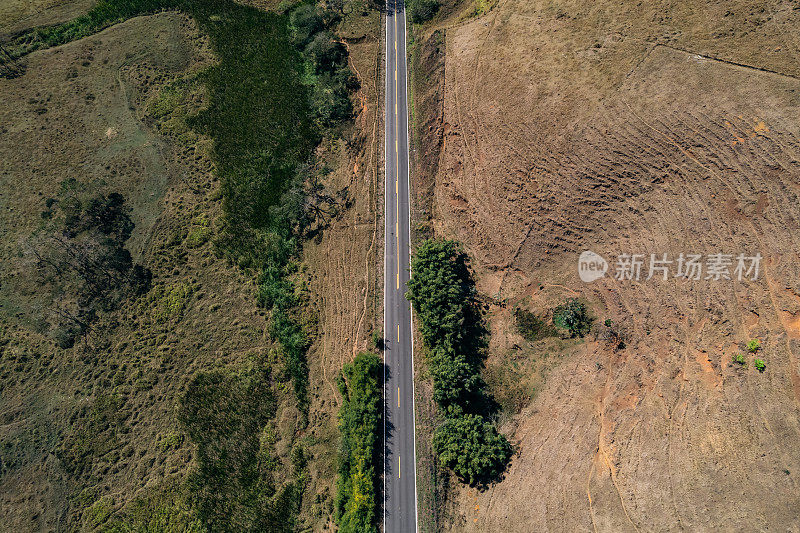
663, 128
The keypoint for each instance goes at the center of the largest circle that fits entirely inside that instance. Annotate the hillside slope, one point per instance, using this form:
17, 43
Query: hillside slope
657, 128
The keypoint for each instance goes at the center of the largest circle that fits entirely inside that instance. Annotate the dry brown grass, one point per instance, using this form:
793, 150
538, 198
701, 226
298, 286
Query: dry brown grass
17, 15
344, 271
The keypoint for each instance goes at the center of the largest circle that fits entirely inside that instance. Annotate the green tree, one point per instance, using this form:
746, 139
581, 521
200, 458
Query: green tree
443, 294
359, 424
472, 448
422, 10
573, 316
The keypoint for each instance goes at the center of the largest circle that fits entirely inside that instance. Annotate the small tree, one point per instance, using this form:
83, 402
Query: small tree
472, 448
422, 10
573, 316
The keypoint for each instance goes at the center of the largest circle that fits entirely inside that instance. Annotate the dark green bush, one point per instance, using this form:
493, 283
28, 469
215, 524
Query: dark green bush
360, 425
531, 327
422, 10
472, 448
305, 21
443, 294
573, 316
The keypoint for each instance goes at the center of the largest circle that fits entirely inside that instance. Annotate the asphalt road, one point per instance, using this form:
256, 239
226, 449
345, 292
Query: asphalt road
400, 484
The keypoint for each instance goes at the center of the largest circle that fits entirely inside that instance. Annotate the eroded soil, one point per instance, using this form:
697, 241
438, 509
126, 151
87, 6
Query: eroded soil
665, 128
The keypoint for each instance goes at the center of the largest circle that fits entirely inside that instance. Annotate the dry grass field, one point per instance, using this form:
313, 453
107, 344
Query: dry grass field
544, 129
17, 15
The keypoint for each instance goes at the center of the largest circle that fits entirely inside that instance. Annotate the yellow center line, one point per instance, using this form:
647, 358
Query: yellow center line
398, 396
398, 466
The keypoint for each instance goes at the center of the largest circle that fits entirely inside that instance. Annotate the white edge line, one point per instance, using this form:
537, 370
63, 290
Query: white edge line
411, 311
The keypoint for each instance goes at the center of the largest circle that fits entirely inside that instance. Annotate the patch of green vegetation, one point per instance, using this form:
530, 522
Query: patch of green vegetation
443, 294
174, 106
277, 292
531, 327
472, 448
753, 345
481, 7
98, 512
573, 317
360, 426
225, 413
166, 303
104, 14
171, 440
161, 510
739, 359
760, 365
94, 433
422, 10
377, 340
198, 236
326, 71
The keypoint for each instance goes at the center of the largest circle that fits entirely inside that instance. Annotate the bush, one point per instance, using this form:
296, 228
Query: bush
739, 359
760, 365
422, 10
360, 425
377, 340
304, 22
472, 448
531, 327
443, 293
573, 317
753, 345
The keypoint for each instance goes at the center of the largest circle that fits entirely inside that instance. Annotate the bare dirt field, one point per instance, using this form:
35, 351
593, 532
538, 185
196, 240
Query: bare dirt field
662, 128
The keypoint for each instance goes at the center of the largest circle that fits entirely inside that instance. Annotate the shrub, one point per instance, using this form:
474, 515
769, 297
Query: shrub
472, 448
304, 22
573, 316
377, 340
739, 359
753, 345
760, 365
422, 10
360, 426
443, 294
531, 327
